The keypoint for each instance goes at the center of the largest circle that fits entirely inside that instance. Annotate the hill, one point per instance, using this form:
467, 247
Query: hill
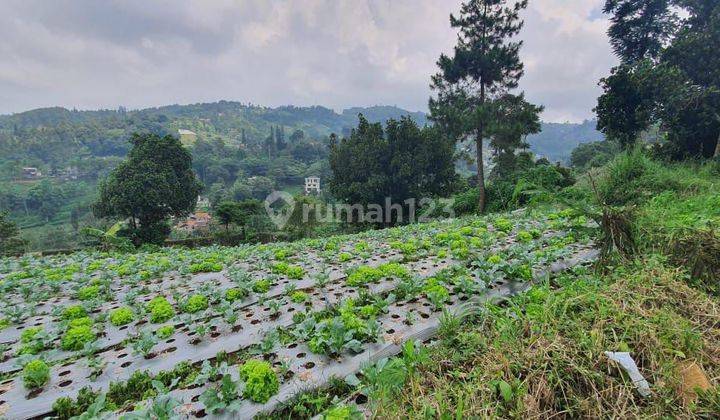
54, 138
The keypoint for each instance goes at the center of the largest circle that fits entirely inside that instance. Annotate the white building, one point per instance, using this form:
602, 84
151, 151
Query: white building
312, 184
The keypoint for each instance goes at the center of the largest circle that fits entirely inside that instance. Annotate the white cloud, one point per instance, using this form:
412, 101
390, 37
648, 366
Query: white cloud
338, 53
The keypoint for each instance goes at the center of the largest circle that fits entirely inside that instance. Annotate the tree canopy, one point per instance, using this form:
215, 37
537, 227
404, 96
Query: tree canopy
155, 182
668, 78
400, 162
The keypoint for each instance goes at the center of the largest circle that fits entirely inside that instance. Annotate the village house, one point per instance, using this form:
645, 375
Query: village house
312, 184
198, 221
31, 173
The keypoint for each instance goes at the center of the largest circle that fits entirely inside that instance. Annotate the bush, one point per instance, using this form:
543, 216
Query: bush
261, 382
196, 303
466, 202
76, 337
160, 310
632, 178
121, 316
36, 374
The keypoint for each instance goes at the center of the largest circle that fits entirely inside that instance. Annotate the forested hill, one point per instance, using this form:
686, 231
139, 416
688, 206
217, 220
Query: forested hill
58, 137
55, 138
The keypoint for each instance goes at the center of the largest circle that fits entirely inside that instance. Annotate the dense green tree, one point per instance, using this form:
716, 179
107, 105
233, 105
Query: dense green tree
625, 107
639, 27
45, 199
155, 182
10, 243
485, 63
669, 77
513, 119
238, 213
401, 162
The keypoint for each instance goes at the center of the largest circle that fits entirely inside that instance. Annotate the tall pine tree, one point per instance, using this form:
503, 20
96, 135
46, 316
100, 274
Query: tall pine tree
485, 64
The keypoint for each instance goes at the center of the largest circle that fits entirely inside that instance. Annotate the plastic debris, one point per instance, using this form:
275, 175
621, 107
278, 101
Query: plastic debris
628, 364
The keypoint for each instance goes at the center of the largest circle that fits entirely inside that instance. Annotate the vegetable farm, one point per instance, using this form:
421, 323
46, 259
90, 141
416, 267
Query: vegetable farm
241, 330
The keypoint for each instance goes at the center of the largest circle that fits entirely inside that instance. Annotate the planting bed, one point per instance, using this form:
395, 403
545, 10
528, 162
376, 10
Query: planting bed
197, 321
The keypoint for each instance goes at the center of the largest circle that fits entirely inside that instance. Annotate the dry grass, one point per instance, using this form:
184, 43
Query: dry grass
548, 346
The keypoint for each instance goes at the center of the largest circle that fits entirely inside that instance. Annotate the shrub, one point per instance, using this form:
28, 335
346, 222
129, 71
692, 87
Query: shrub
160, 310
36, 374
196, 303
632, 177
73, 312
121, 316
261, 382
88, 292
165, 332
76, 337
231, 295
466, 202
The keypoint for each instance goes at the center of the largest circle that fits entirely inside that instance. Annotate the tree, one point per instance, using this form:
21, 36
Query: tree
401, 162
238, 213
10, 243
485, 63
669, 77
624, 108
227, 212
44, 199
513, 119
154, 182
639, 27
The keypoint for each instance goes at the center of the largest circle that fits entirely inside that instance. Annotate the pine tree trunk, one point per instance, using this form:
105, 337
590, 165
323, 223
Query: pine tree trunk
717, 148
479, 153
480, 171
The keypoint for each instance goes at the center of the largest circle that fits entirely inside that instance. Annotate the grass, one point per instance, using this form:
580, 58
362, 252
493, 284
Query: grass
541, 354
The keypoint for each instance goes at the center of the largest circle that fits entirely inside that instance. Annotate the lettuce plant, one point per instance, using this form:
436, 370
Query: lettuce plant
36, 374
121, 316
261, 382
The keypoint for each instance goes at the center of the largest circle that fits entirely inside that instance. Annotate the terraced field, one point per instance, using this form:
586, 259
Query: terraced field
238, 331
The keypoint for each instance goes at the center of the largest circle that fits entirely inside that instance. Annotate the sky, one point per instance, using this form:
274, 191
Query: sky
91, 54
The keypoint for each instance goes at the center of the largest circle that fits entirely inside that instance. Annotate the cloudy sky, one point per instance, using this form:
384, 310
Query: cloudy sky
91, 54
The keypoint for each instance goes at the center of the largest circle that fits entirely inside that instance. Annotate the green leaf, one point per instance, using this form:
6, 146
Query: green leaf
505, 391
